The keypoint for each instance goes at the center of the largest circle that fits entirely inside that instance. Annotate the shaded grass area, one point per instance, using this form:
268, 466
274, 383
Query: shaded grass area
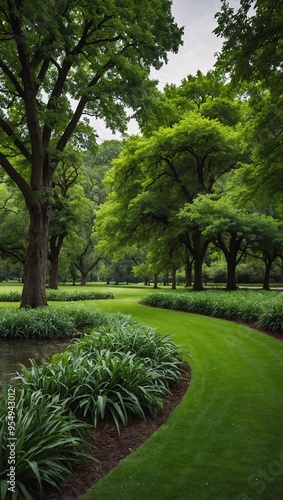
225, 440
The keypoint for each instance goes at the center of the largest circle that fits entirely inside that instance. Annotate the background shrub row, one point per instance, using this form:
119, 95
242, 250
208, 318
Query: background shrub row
60, 295
262, 309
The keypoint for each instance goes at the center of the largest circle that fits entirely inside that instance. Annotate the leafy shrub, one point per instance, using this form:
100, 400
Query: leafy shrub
10, 296
60, 295
120, 369
272, 317
48, 442
143, 342
47, 323
263, 309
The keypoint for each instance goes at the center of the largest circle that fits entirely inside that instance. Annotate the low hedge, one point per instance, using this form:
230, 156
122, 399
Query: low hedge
47, 322
60, 295
261, 309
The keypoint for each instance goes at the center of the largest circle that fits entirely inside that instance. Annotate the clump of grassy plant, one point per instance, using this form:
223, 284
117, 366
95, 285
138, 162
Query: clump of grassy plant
118, 370
272, 316
48, 442
60, 295
262, 309
47, 323
12, 296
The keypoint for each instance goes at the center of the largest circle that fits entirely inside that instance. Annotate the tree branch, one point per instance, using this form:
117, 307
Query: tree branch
8, 131
12, 78
27, 192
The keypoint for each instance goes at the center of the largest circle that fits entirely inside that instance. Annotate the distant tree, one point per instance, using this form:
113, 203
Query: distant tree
156, 176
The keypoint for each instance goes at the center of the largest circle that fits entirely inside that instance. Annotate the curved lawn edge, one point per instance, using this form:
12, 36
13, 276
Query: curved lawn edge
221, 440
260, 310
270, 333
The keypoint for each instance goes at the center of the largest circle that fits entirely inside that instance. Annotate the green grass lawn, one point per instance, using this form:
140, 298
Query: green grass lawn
225, 440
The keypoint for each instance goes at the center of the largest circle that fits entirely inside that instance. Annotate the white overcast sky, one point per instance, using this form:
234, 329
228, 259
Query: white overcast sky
196, 53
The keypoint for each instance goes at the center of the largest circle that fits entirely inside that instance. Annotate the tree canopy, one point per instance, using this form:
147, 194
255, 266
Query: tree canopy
60, 63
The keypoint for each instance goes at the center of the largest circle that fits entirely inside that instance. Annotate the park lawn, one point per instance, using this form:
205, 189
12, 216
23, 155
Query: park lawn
225, 440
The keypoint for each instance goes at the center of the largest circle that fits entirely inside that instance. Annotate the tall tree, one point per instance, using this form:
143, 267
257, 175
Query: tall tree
155, 176
60, 61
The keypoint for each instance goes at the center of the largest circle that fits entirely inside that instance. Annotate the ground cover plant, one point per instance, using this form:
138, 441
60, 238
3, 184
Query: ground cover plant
117, 370
60, 295
47, 322
261, 309
49, 441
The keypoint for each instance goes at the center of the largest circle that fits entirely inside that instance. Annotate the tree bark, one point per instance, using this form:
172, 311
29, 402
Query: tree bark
189, 263
231, 272
199, 252
53, 274
155, 282
84, 277
34, 287
55, 245
173, 278
268, 266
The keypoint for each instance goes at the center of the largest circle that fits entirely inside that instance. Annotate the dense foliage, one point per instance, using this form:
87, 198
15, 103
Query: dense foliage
118, 369
48, 443
47, 323
257, 308
60, 296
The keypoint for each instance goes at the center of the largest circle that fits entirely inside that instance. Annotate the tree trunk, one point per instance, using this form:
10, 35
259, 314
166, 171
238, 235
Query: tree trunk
199, 253
84, 278
268, 265
231, 272
55, 245
189, 263
155, 282
173, 278
53, 275
34, 288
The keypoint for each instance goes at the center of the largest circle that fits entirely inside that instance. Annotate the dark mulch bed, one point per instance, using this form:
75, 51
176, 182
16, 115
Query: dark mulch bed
110, 448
